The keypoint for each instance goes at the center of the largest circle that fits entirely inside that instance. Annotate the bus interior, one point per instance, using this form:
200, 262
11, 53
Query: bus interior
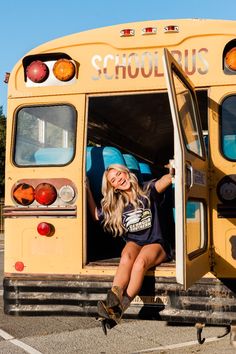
135, 130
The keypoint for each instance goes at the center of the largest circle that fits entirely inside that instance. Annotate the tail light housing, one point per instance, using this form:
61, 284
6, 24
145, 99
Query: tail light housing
45, 194
23, 194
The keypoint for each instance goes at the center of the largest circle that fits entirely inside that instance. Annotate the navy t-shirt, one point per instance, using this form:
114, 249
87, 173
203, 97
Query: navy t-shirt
142, 224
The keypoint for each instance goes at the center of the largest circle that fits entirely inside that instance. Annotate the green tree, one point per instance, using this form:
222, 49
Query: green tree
2, 151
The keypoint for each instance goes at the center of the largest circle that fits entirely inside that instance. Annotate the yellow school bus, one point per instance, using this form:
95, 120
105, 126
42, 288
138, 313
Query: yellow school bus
138, 94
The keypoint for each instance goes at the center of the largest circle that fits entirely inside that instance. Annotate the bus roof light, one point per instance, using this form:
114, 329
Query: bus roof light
127, 32
171, 29
37, 71
45, 194
149, 30
64, 69
230, 59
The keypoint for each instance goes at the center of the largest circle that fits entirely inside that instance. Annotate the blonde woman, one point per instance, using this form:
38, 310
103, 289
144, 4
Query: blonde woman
130, 212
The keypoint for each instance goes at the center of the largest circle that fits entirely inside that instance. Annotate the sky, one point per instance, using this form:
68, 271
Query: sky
25, 24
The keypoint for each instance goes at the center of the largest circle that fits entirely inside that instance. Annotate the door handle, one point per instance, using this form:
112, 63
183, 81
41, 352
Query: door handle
189, 175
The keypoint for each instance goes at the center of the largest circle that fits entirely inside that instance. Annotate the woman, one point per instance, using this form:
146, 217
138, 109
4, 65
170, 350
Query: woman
129, 211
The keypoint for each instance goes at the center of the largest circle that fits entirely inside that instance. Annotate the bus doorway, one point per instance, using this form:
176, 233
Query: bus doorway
135, 130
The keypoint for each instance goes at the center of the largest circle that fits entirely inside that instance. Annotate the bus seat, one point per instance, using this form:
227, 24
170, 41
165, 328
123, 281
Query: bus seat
229, 146
133, 166
54, 156
145, 171
98, 159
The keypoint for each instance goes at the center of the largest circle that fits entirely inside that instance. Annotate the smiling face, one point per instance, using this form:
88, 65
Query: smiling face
119, 179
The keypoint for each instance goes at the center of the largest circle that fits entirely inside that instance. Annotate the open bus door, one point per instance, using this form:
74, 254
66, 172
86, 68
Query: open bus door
191, 186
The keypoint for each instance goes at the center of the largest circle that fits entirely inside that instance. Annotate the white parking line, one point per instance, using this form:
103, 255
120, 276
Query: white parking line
177, 345
18, 343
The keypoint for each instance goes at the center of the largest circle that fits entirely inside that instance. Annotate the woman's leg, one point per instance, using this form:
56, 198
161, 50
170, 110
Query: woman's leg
148, 257
128, 256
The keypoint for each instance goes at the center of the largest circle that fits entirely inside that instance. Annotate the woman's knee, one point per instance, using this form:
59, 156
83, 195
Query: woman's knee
140, 264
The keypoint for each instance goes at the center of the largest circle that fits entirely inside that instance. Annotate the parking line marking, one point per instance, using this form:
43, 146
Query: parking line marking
18, 343
177, 345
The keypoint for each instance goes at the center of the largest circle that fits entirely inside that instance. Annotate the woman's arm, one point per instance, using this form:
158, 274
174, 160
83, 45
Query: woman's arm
164, 182
91, 202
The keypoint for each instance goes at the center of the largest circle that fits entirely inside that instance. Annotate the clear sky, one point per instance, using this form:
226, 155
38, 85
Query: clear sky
25, 24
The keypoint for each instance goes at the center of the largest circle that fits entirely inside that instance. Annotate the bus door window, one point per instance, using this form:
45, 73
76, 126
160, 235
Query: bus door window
45, 135
228, 128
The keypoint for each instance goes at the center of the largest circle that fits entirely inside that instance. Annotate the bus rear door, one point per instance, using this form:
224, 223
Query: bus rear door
191, 187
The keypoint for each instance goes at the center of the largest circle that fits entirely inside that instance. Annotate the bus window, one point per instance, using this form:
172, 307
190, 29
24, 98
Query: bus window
228, 128
188, 123
196, 227
44, 135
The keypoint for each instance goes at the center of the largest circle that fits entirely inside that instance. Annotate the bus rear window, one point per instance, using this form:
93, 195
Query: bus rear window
228, 128
45, 135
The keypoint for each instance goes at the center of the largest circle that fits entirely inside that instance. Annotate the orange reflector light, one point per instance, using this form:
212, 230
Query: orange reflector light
37, 71
19, 266
171, 29
128, 32
64, 70
45, 194
45, 229
23, 194
230, 59
149, 30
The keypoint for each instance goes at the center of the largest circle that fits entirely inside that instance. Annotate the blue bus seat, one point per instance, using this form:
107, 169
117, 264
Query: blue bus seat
98, 159
145, 171
229, 146
133, 166
53, 156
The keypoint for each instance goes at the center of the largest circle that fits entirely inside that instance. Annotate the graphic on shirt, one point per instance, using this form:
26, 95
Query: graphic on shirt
137, 220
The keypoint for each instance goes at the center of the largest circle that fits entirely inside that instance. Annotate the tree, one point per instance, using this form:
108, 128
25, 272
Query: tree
2, 151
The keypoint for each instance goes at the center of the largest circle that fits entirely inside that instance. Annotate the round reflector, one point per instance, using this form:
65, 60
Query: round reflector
45, 194
64, 70
66, 193
37, 71
45, 229
23, 194
19, 266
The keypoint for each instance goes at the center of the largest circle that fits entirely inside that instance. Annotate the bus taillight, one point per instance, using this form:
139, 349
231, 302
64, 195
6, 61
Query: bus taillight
64, 70
45, 194
230, 59
37, 71
66, 193
23, 194
45, 229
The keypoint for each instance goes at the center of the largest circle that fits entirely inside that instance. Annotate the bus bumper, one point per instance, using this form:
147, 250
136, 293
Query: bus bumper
209, 301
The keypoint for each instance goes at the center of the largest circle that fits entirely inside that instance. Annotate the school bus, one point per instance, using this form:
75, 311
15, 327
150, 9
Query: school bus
138, 94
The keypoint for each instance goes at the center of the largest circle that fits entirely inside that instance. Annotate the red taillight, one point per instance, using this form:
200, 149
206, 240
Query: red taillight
45, 194
45, 229
37, 71
64, 70
19, 266
23, 194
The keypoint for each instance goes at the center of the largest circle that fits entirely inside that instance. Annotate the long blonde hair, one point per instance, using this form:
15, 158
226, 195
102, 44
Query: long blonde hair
114, 202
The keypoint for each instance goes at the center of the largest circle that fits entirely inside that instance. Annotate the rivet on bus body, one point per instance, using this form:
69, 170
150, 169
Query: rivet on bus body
19, 266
